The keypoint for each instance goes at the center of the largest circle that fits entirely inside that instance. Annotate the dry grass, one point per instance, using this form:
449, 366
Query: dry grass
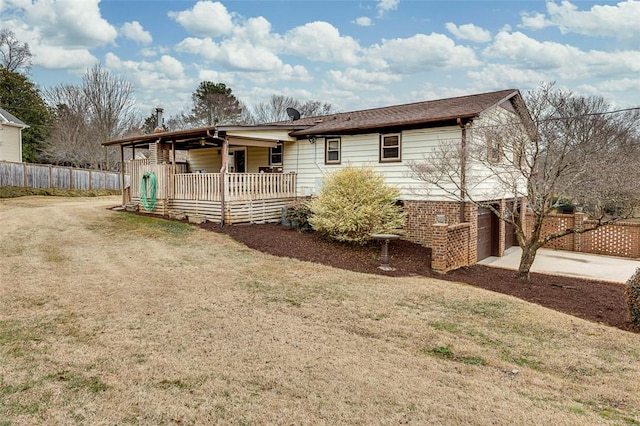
110, 318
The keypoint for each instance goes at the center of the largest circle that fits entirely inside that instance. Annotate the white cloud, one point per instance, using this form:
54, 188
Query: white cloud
205, 47
206, 19
149, 52
363, 21
244, 56
166, 75
620, 85
620, 20
60, 34
62, 58
500, 76
227, 78
423, 53
430, 91
469, 32
357, 79
386, 5
257, 31
529, 52
534, 21
286, 72
321, 41
134, 31
74, 23
564, 60
232, 54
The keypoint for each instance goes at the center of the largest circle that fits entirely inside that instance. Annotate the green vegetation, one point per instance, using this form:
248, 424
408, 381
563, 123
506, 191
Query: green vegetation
297, 215
445, 352
632, 291
16, 191
353, 204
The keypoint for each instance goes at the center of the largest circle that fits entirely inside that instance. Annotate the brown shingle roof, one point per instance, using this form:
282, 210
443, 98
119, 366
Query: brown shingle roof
403, 115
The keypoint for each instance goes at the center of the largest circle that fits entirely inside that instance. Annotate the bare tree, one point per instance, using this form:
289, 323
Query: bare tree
573, 151
14, 56
275, 109
111, 103
100, 109
70, 141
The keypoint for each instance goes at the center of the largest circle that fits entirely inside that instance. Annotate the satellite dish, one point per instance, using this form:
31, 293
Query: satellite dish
293, 114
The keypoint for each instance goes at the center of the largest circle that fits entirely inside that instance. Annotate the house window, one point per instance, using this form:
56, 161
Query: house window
390, 147
495, 150
275, 156
332, 151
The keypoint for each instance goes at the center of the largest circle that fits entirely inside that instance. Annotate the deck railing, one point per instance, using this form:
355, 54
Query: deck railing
259, 186
174, 184
196, 186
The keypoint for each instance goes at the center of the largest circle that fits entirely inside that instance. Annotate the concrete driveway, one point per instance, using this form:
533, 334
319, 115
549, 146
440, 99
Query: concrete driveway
557, 262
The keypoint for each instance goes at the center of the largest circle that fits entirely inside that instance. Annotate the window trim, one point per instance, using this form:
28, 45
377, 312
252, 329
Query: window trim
281, 153
494, 150
381, 148
327, 151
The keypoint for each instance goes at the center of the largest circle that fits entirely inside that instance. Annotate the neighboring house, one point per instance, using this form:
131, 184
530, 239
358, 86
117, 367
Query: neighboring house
10, 137
285, 160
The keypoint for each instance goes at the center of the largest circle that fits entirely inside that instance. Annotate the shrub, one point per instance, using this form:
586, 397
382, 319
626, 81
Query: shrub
298, 216
632, 291
353, 204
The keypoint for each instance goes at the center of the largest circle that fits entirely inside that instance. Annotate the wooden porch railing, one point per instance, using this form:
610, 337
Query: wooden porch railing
259, 186
174, 184
238, 186
196, 186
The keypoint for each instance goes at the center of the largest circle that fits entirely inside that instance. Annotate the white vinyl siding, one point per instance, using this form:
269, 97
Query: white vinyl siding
483, 182
307, 159
10, 144
209, 159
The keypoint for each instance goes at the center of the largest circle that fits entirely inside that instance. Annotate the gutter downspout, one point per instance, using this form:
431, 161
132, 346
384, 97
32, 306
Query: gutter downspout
463, 167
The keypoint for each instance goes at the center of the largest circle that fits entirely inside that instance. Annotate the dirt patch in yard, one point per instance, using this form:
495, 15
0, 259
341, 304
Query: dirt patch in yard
592, 300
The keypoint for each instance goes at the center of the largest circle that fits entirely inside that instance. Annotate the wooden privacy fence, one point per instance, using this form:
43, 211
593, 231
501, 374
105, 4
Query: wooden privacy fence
29, 175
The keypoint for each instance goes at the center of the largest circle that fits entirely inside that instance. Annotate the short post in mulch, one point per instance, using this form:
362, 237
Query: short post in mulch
384, 257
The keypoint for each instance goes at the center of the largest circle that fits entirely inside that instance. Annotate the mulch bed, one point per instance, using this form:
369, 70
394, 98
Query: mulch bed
592, 300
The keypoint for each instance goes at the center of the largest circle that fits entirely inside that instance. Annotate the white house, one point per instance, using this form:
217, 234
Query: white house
306, 149
10, 137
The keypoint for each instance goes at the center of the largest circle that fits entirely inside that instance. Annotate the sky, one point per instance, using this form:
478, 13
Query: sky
351, 54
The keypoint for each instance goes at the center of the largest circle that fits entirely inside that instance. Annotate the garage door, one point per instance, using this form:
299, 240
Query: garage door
487, 233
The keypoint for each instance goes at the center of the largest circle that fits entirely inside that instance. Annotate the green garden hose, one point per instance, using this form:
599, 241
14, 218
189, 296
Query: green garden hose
148, 202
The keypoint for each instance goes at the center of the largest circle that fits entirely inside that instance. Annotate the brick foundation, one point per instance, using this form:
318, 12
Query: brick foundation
421, 215
453, 243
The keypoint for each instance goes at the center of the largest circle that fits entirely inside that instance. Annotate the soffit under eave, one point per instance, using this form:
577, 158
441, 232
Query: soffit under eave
280, 135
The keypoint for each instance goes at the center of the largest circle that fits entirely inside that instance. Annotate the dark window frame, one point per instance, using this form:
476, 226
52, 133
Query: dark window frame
382, 147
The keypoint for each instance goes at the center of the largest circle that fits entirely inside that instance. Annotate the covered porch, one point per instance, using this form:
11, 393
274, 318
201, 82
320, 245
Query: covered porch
236, 192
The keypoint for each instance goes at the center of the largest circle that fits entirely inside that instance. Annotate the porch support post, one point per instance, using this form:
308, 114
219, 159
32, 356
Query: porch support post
124, 202
223, 178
